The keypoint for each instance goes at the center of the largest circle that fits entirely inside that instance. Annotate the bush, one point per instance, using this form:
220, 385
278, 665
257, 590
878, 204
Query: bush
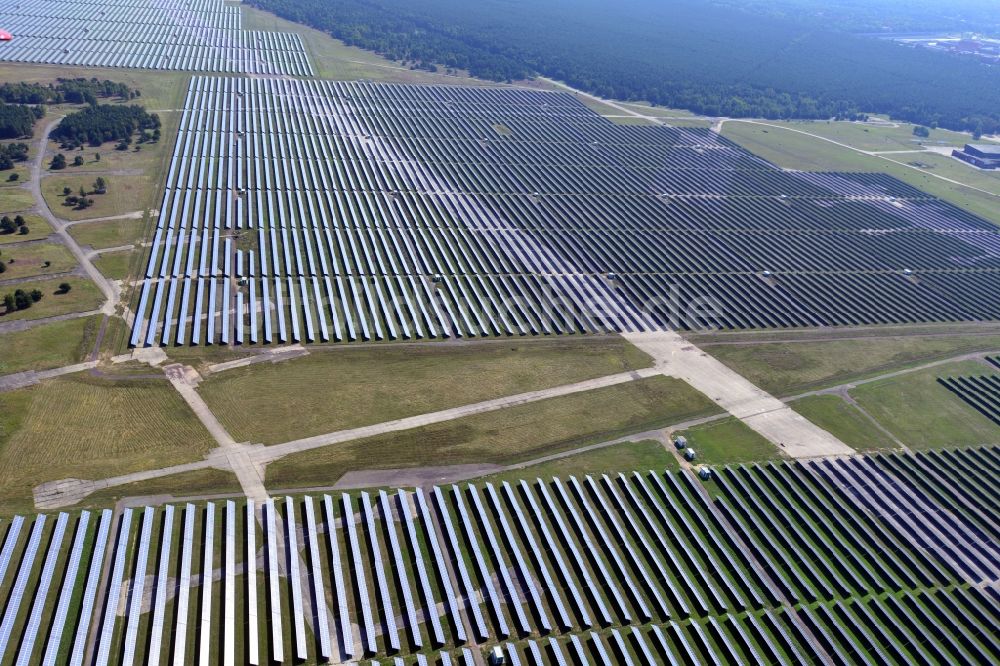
7, 225
64, 288
14, 177
58, 162
24, 231
921, 131
78, 161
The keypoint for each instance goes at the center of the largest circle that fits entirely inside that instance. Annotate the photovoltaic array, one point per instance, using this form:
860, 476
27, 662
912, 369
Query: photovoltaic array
888, 559
316, 210
193, 35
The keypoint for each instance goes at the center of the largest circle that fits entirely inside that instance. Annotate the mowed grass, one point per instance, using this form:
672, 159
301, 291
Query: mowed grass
126, 194
49, 345
345, 388
505, 436
15, 200
35, 259
114, 265
37, 228
186, 484
949, 167
83, 297
110, 233
786, 368
90, 428
794, 150
925, 415
729, 440
876, 136
647, 454
844, 421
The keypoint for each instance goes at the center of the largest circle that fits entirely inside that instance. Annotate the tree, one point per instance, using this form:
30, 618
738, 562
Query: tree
22, 300
3, 267
24, 231
7, 225
97, 157
67, 191
83, 192
9, 304
78, 160
36, 295
100, 186
14, 177
19, 220
58, 162
64, 287
921, 131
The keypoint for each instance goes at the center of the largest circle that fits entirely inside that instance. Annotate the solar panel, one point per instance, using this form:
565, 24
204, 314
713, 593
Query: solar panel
340, 592
322, 624
41, 592
360, 581
277, 644
138, 585
484, 572
90, 592
160, 605
184, 588
400, 569
113, 594
253, 637
430, 603
207, 574
66, 592
471, 598
451, 599
20, 583
229, 601
388, 613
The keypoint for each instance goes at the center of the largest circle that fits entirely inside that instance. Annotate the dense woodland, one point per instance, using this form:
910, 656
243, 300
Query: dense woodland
64, 91
105, 122
712, 59
17, 120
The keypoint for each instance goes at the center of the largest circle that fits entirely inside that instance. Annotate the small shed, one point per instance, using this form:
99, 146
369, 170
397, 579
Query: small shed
680, 442
704, 473
496, 656
689, 454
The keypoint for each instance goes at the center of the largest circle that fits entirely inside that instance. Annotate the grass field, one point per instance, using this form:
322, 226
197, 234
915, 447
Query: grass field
844, 421
793, 150
876, 136
110, 233
49, 345
185, 484
728, 441
923, 414
115, 265
160, 90
83, 297
126, 194
346, 388
15, 200
630, 456
83, 427
949, 167
35, 259
506, 436
794, 367
37, 228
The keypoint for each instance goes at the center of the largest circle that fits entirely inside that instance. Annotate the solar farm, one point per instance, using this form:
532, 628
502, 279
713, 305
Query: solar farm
189, 35
314, 211
871, 560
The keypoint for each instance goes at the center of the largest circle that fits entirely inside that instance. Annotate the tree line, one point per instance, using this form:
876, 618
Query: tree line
711, 59
18, 120
65, 91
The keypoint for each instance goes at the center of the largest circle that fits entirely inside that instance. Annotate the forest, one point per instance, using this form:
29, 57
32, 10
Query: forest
18, 120
711, 59
105, 122
68, 91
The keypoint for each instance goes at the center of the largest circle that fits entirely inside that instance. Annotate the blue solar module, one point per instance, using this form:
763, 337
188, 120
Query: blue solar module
451, 599
160, 602
41, 592
339, 590
277, 643
253, 635
66, 592
229, 600
207, 570
430, 603
295, 579
477, 556
360, 581
388, 613
184, 588
323, 628
471, 598
138, 585
400, 569
90, 591
112, 599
